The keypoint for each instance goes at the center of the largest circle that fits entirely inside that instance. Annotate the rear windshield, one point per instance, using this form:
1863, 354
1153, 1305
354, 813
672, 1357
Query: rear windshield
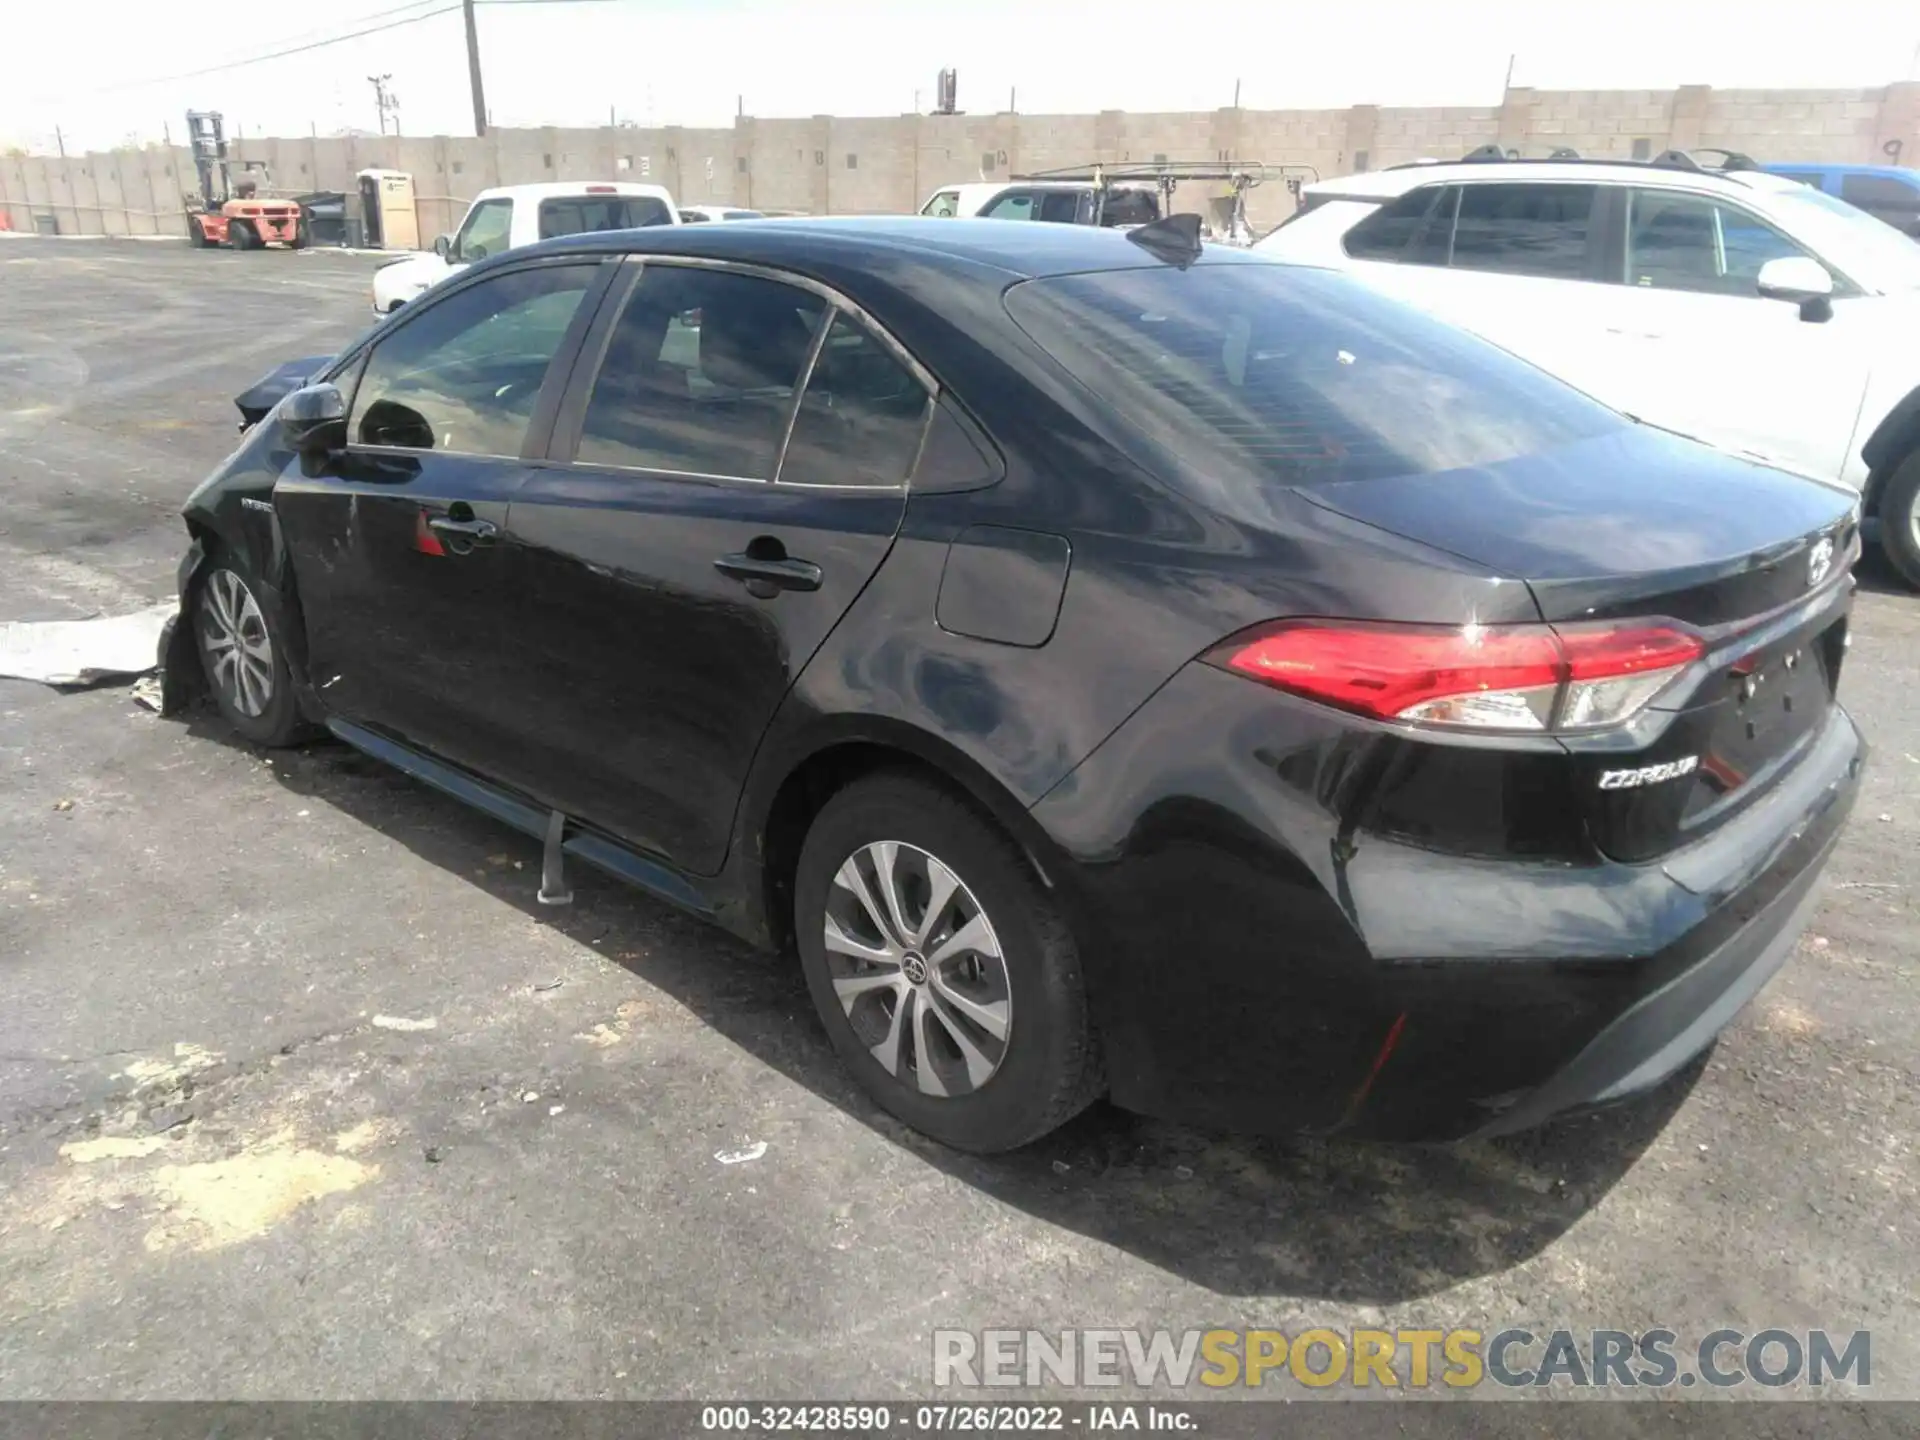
575, 216
1241, 376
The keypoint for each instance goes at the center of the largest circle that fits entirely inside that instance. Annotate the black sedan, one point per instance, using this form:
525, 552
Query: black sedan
1114, 667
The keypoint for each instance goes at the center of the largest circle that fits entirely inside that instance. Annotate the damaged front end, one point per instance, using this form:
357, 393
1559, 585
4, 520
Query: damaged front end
182, 682
270, 389
231, 510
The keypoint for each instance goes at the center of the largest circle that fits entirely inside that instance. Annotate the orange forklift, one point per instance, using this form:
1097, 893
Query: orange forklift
230, 212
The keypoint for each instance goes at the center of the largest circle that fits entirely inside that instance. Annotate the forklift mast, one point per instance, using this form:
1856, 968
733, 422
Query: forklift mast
208, 137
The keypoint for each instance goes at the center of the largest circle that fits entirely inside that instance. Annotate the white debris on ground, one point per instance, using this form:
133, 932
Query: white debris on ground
742, 1155
79, 652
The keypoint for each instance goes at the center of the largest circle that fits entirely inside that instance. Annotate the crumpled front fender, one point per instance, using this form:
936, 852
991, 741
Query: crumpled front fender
181, 679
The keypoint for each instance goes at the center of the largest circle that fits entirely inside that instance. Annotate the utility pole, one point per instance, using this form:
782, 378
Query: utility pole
473, 69
384, 99
60, 141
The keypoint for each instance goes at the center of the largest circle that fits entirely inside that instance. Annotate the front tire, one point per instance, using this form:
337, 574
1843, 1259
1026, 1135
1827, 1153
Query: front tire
197, 235
243, 657
946, 977
1900, 519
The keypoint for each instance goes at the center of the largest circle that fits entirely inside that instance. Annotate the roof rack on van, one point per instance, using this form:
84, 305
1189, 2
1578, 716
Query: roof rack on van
1729, 160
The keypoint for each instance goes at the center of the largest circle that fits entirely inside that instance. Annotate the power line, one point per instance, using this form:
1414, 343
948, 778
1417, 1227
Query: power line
283, 54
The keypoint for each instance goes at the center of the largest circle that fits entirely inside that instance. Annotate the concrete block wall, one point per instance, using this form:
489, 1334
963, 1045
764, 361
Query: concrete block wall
889, 164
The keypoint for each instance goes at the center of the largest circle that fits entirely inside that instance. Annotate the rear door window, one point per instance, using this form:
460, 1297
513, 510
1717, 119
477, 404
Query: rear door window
1539, 230
700, 374
944, 205
1239, 378
583, 214
1061, 207
861, 418
463, 373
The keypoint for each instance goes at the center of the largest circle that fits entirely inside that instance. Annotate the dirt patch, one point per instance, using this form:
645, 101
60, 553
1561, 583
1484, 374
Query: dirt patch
222, 1202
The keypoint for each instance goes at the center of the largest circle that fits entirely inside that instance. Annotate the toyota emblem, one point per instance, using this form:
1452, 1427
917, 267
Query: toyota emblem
1819, 560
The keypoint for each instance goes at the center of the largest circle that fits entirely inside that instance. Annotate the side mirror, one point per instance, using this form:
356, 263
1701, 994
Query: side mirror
313, 421
443, 246
1802, 280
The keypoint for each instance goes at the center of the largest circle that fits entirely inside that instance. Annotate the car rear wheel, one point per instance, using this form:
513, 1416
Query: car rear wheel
1900, 520
947, 979
240, 652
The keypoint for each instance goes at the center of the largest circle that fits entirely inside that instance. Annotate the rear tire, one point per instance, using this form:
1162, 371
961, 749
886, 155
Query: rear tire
957, 1003
243, 656
241, 236
1900, 519
300, 238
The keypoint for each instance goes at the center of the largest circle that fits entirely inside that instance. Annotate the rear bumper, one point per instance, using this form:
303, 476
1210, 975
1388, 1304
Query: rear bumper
1259, 959
1659, 1033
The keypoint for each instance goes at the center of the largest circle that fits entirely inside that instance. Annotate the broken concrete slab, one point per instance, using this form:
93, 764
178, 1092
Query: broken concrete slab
80, 652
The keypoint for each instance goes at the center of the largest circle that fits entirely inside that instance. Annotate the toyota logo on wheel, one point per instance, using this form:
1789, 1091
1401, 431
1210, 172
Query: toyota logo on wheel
1819, 560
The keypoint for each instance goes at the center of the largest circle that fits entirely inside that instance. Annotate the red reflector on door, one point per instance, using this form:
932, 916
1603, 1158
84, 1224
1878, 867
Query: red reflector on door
424, 540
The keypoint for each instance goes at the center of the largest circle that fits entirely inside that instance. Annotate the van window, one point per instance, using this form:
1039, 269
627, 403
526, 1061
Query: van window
1873, 191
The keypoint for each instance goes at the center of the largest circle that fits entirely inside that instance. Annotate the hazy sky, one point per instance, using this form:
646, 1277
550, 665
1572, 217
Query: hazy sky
106, 70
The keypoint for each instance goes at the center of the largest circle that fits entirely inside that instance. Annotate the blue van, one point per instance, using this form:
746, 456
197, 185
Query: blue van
1891, 192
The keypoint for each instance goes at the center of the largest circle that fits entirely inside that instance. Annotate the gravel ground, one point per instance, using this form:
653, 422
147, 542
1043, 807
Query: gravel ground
302, 1095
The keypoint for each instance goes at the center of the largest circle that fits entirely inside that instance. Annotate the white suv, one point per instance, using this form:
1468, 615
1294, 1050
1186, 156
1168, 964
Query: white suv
1738, 307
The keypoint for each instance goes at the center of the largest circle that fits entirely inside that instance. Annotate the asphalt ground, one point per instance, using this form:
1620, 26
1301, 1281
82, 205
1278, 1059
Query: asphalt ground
302, 1095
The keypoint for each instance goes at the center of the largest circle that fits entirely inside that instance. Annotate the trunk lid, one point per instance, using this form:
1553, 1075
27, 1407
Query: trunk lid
1632, 523
1641, 525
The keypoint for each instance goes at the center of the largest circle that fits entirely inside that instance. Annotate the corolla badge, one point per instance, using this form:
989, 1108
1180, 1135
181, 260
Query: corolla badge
1819, 560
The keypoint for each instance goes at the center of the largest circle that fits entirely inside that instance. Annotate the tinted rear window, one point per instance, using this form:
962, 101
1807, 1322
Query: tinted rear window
600, 212
1244, 376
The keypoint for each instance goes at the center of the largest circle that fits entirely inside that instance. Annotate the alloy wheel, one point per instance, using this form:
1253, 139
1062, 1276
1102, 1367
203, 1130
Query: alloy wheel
237, 643
918, 969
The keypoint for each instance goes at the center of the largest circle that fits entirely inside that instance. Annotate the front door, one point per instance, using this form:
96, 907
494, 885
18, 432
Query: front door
739, 475
398, 542
1696, 348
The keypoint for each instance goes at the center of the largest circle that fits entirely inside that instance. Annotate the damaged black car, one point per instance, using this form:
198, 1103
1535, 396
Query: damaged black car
1115, 666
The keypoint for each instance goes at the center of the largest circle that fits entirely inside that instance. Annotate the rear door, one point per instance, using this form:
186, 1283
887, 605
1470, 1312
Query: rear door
1517, 262
398, 542
733, 472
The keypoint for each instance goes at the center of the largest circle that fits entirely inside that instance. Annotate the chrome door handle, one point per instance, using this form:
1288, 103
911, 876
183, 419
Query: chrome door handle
464, 529
782, 574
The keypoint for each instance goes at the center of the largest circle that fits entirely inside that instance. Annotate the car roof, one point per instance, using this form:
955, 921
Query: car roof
905, 243
568, 189
1393, 183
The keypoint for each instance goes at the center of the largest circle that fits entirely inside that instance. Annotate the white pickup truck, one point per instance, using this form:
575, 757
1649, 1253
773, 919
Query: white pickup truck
513, 215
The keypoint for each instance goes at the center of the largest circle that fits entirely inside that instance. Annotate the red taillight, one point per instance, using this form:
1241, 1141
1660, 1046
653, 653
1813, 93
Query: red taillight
601, 190
1480, 677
